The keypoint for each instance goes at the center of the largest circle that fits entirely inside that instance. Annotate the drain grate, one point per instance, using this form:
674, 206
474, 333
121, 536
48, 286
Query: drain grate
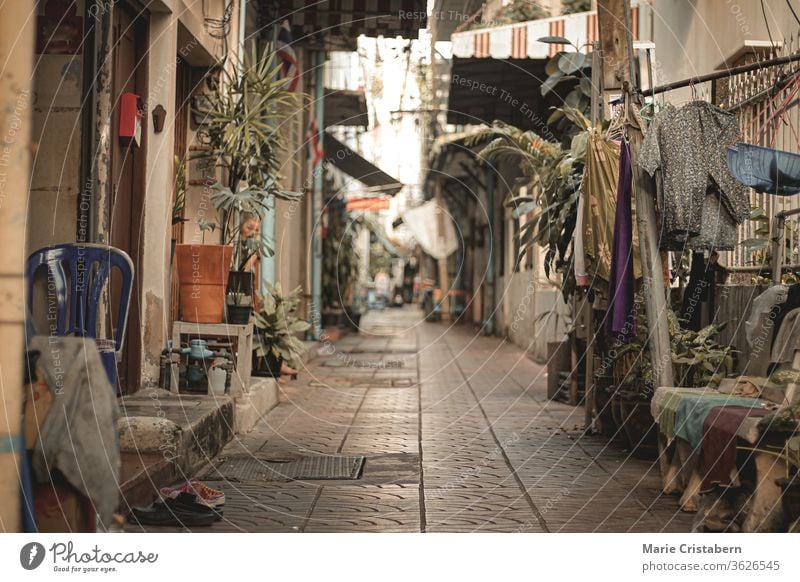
305, 469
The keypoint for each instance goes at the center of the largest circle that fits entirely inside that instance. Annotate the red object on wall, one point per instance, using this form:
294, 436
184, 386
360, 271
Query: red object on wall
130, 119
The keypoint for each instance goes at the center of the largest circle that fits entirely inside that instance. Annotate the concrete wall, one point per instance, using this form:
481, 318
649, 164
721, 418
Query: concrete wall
531, 311
154, 275
55, 176
537, 313
694, 37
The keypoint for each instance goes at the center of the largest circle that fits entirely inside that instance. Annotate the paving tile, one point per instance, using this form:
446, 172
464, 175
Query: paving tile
481, 406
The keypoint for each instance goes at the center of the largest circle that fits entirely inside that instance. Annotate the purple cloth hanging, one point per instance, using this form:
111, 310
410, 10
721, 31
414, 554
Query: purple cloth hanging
621, 317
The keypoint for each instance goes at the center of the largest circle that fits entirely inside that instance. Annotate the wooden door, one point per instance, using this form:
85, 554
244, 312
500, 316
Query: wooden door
126, 203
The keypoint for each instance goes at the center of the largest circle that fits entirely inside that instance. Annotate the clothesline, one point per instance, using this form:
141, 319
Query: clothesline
720, 74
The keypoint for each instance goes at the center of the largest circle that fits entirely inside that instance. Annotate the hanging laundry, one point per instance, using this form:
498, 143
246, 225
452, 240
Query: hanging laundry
787, 339
779, 312
621, 317
582, 278
719, 442
699, 290
702, 201
692, 411
765, 169
78, 438
598, 215
761, 307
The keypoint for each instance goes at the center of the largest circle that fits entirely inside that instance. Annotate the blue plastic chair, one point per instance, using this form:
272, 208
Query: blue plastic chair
78, 297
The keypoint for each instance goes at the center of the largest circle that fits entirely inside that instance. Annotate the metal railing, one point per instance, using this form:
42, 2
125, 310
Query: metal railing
753, 97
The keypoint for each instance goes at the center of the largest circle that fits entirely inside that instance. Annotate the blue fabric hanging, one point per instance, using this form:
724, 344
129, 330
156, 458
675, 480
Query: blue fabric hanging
765, 169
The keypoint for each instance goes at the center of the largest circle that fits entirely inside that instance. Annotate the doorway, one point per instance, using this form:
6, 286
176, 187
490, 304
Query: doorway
126, 202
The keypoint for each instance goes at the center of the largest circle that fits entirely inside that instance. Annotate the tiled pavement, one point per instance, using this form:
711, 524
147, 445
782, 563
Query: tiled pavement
458, 435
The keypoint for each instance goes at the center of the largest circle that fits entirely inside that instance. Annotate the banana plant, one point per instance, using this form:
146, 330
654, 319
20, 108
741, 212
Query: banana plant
552, 177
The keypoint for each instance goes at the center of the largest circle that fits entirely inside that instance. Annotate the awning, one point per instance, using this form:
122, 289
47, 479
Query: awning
520, 40
509, 90
345, 108
451, 15
352, 18
359, 168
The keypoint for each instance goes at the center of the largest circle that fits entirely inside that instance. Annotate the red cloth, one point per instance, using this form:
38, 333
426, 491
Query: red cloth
719, 442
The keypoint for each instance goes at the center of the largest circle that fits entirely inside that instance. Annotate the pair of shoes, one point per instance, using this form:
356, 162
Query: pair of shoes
182, 511
204, 495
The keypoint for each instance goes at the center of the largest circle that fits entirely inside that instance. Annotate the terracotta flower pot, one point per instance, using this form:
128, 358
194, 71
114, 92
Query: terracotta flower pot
203, 275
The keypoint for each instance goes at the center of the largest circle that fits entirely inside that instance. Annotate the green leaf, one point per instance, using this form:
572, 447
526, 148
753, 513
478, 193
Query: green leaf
574, 98
551, 82
585, 86
570, 63
555, 116
552, 65
299, 326
524, 208
554, 40
579, 145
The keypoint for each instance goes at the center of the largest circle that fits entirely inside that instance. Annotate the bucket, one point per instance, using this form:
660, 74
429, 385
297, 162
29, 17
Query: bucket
217, 376
203, 275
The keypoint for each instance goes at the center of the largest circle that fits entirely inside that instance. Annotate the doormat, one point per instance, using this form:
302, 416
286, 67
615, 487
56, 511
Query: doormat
305, 469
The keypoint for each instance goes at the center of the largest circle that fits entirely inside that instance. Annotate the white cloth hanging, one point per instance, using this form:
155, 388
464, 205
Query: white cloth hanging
433, 228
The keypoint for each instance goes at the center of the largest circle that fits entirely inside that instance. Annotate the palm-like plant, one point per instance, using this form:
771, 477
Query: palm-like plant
243, 134
552, 174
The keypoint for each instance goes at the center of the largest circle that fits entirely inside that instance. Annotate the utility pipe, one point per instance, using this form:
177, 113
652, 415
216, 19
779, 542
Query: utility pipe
16, 73
318, 60
490, 307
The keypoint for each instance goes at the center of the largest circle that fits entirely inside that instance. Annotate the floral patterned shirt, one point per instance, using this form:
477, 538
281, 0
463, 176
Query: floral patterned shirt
701, 201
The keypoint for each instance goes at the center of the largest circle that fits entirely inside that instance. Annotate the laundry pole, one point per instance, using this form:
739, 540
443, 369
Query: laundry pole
16, 71
615, 31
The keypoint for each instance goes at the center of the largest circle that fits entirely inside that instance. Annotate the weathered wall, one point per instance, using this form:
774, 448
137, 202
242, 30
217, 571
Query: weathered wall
537, 314
57, 134
154, 273
696, 37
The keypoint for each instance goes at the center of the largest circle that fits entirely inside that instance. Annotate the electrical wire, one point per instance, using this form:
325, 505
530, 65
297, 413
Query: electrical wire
766, 23
789, 4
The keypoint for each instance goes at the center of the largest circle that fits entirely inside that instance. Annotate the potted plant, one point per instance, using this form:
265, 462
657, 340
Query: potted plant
243, 142
276, 325
697, 361
340, 267
202, 274
239, 301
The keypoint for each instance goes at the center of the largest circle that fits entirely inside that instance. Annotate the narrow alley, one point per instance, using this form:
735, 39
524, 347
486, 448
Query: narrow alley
458, 437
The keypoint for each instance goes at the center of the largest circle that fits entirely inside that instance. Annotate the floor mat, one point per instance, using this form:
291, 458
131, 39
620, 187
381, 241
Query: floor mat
305, 469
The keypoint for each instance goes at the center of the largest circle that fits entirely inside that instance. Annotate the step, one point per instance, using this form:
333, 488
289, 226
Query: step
141, 475
165, 437
260, 398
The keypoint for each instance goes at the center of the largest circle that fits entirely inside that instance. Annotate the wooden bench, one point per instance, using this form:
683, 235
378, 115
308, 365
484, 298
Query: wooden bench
681, 467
